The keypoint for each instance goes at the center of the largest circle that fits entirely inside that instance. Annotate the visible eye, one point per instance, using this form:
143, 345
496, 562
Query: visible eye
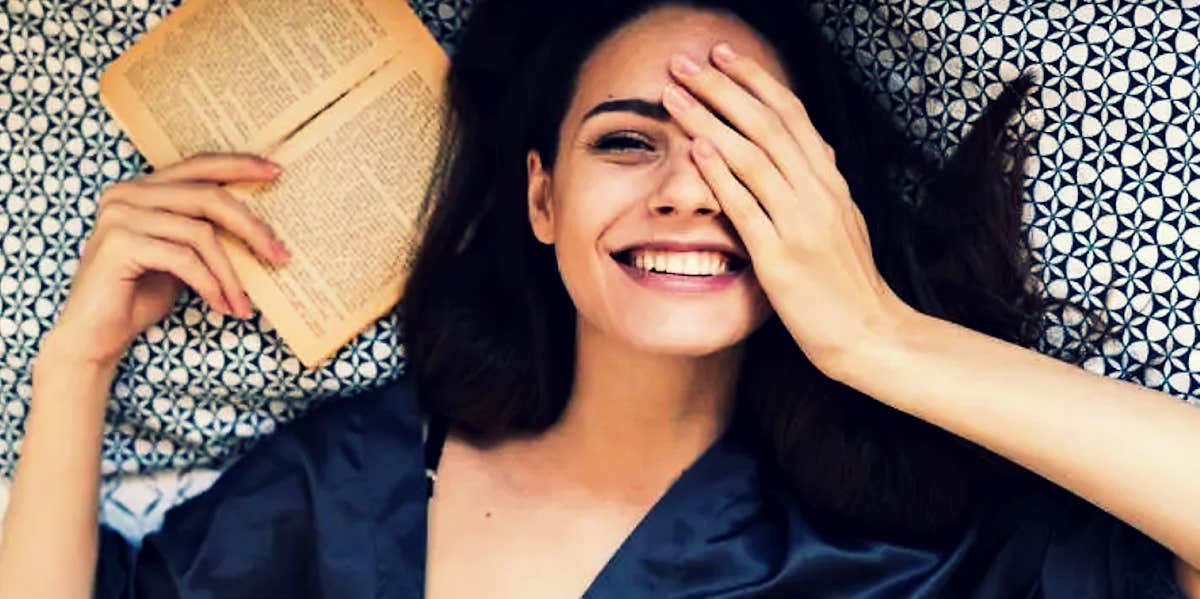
621, 143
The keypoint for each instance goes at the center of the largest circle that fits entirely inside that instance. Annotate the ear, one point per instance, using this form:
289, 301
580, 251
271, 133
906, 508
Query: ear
541, 204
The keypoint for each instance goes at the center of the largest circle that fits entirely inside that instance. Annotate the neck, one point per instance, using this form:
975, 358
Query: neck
635, 420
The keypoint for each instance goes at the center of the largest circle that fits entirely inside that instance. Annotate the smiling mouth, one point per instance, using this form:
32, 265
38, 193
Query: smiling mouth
727, 264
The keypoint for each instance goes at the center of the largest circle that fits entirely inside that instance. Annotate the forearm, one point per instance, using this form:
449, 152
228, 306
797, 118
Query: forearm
49, 540
1128, 449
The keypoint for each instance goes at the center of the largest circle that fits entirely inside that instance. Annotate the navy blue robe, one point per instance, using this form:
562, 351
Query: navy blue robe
334, 505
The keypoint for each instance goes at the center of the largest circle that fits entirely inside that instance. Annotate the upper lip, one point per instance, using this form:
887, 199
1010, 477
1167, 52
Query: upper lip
668, 245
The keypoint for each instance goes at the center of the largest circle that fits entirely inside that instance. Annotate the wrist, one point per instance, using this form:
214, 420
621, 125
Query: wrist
65, 355
69, 392
885, 338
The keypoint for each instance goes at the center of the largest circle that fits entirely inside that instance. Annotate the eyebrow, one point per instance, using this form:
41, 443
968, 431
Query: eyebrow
646, 108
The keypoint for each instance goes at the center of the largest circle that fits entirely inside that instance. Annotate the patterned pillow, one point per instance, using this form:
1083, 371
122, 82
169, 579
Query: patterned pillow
1111, 211
196, 387
1107, 214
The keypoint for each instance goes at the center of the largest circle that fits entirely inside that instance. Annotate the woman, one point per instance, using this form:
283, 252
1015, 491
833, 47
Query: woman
651, 377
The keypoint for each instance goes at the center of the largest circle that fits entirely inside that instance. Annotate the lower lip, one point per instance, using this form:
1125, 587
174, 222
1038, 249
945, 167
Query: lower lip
680, 283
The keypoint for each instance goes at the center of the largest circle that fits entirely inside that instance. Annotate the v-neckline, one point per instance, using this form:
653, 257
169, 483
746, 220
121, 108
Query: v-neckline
651, 522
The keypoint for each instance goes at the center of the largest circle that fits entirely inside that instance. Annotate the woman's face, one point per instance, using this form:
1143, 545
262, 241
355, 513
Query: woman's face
625, 201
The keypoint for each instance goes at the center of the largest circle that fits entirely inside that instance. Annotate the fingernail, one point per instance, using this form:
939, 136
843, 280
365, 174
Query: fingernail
723, 52
675, 97
684, 65
272, 167
281, 252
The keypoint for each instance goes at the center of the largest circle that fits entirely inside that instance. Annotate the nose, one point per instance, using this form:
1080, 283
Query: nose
684, 192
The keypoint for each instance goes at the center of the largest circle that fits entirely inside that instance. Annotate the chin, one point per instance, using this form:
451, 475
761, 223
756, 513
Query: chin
685, 341
670, 324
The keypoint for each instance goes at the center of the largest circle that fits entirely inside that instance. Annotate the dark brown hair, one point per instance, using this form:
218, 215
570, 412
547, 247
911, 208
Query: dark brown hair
490, 330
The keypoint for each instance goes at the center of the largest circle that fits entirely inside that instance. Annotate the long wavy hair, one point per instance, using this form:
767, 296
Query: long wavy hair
490, 329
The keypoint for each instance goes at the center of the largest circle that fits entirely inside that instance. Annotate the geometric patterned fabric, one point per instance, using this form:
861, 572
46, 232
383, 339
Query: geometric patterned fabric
197, 387
1111, 214
1113, 180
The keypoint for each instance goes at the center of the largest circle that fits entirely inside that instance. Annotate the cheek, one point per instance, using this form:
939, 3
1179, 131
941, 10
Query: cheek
584, 216
608, 300
579, 228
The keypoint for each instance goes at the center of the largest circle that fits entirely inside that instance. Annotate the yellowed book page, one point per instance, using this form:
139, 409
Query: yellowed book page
347, 206
240, 75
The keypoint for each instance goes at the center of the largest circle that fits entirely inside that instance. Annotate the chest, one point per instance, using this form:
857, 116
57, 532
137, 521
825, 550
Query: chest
489, 539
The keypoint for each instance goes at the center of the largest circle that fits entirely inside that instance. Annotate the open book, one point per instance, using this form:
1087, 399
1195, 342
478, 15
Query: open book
347, 95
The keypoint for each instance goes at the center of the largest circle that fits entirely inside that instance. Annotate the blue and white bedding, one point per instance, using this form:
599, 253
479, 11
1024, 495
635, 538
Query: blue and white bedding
1112, 212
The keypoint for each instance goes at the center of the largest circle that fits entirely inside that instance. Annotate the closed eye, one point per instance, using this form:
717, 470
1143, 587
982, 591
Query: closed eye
621, 142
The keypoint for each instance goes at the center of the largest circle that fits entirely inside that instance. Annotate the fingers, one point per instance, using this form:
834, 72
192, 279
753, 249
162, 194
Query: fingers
753, 226
201, 237
776, 96
182, 206
200, 201
217, 168
746, 160
758, 122
181, 261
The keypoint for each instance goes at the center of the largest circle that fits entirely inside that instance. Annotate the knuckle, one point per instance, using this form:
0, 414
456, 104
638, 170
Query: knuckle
180, 255
202, 232
108, 215
113, 192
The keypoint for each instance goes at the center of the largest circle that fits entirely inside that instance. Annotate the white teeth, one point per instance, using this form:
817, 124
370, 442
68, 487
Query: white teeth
675, 263
682, 263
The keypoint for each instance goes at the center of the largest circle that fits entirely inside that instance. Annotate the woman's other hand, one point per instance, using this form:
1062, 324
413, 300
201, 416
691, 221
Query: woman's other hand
777, 182
152, 235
